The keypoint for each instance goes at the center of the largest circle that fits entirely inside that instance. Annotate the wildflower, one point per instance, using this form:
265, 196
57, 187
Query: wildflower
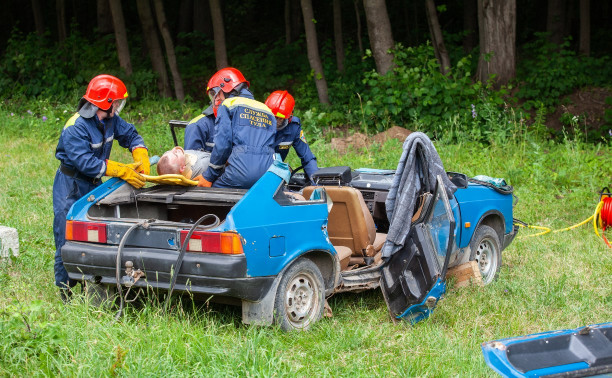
474, 114
610, 132
12, 114
29, 111
44, 118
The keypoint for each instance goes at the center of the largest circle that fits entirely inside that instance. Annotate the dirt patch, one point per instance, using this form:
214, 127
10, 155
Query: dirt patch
358, 141
587, 103
396, 132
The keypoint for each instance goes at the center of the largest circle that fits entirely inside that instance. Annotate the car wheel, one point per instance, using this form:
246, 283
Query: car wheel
100, 295
300, 297
486, 251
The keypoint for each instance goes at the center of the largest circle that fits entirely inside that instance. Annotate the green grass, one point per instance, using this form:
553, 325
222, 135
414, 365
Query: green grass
550, 282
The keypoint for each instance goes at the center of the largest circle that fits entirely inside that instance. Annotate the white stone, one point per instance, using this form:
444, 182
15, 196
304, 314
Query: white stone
9, 240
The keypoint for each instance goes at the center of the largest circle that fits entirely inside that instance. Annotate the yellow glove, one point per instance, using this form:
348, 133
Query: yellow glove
126, 172
141, 155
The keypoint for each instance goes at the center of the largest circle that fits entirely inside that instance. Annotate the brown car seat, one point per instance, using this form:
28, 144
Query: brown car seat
350, 223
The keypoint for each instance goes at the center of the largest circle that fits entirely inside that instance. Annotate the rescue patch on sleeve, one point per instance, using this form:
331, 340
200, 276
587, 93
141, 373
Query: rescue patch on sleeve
302, 137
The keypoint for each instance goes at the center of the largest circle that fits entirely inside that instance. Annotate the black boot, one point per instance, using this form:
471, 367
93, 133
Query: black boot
65, 294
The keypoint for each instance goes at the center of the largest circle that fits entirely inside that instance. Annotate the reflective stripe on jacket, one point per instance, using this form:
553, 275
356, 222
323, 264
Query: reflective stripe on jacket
200, 132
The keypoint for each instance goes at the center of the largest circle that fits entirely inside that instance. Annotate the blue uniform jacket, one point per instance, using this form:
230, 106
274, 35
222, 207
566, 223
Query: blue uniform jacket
292, 135
200, 132
244, 139
86, 143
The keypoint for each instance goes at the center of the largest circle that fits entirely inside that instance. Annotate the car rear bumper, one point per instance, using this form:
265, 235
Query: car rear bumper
203, 273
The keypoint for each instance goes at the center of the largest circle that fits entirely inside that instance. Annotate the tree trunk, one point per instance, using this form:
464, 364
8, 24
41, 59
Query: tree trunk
200, 9
497, 31
219, 32
60, 11
39, 20
287, 22
555, 21
105, 21
293, 24
163, 27
436, 37
313, 51
296, 20
152, 42
185, 20
338, 36
416, 30
585, 28
470, 25
201, 17
123, 50
358, 18
379, 31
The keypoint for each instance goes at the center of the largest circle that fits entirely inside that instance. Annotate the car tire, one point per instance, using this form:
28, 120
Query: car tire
487, 252
300, 298
100, 295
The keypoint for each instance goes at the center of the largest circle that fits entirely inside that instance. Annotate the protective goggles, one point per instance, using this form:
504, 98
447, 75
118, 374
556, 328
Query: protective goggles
118, 105
213, 93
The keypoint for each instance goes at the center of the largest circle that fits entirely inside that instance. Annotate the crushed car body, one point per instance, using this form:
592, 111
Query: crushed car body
281, 254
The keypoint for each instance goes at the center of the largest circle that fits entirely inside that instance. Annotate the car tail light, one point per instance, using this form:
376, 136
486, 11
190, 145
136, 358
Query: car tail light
213, 242
86, 231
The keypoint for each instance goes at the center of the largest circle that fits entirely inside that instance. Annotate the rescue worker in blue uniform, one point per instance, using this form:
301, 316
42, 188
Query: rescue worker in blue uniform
83, 151
289, 131
244, 137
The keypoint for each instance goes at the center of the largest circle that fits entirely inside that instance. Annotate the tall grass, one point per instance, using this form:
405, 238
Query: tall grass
555, 281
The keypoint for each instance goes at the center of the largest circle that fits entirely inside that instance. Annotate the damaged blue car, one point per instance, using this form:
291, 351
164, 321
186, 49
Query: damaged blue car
282, 247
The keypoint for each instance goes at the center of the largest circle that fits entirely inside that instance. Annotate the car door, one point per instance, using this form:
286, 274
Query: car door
413, 279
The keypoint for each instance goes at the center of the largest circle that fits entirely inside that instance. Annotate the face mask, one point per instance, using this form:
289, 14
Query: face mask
119, 104
216, 98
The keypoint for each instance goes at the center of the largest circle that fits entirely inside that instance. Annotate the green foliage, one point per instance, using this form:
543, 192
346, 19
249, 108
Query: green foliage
416, 95
548, 72
34, 66
30, 330
272, 66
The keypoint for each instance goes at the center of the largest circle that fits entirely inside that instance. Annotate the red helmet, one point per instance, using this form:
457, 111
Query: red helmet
281, 103
103, 90
226, 80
